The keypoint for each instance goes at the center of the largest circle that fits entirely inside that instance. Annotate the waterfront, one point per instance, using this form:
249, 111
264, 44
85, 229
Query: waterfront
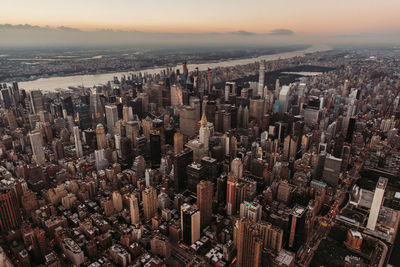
63, 82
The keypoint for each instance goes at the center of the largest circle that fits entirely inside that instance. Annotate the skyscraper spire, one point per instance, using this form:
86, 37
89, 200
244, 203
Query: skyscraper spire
203, 121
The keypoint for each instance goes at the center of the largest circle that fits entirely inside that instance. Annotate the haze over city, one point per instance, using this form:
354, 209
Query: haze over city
206, 22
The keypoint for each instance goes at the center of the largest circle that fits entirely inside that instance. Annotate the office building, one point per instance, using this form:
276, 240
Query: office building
332, 168
96, 108
377, 202
134, 209
10, 214
296, 226
251, 211
36, 140
180, 162
190, 223
101, 137
36, 101
205, 191
72, 251
155, 148
78, 142
111, 117
260, 88
231, 196
249, 244
149, 196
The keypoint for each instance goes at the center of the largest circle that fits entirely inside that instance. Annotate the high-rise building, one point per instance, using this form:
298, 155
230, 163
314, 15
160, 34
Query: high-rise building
231, 196
5, 96
376, 203
331, 172
205, 131
111, 117
78, 142
36, 101
260, 88
296, 226
180, 162
67, 104
85, 119
249, 244
272, 236
178, 143
10, 216
96, 108
210, 168
149, 196
190, 223
155, 148
195, 173
134, 209
160, 246
204, 201
58, 149
237, 168
251, 211
72, 251
176, 95
284, 99
37, 147
101, 137
12, 122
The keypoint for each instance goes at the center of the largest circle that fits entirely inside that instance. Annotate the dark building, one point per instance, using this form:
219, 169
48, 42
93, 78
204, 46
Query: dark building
10, 217
296, 227
85, 119
210, 166
195, 173
180, 162
155, 148
5, 96
66, 103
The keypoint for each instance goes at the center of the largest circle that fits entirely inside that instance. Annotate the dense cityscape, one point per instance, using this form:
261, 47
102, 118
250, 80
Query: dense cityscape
288, 162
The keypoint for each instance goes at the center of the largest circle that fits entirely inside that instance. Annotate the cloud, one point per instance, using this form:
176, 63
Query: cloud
242, 33
281, 32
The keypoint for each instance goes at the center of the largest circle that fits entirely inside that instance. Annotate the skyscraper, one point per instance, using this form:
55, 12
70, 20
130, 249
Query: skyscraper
180, 162
5, 96
190, 223
251, 211
178, 143
249, 244
231, 196
37, 147
134, 209
331, 172
111, 117
101, 137
149, 196
376, 203
260, 89
155, 148
78, 142
10, 217
204, 201
96, 108
36, 101
205, 131
85, 119
296, 226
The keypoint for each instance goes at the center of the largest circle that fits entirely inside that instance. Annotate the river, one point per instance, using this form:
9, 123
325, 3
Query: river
63, 82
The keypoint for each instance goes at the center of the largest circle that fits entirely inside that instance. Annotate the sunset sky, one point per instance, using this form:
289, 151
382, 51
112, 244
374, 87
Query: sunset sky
259, 16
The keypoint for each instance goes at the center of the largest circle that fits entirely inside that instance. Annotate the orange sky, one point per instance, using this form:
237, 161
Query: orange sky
301, 16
